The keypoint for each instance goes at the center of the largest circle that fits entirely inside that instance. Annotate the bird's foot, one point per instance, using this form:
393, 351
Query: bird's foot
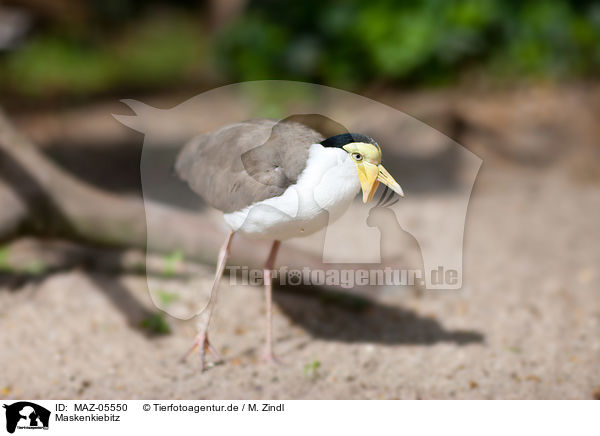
201, 341
272, 359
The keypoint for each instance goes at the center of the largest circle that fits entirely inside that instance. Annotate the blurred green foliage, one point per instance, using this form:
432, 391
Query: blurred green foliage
32, 267
166, 298
156, 324
345, 44
5, 265
353, 42
311, 370
154, 51
171, 262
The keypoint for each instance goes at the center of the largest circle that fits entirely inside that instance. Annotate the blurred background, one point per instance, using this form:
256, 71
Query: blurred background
515, 82
71, 51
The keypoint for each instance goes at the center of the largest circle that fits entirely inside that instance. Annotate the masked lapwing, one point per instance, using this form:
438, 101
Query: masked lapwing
275, 181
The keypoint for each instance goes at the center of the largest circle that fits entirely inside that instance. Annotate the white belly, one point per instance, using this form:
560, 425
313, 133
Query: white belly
322, 194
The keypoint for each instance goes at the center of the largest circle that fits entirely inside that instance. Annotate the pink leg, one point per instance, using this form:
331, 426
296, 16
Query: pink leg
269, 356
201, 339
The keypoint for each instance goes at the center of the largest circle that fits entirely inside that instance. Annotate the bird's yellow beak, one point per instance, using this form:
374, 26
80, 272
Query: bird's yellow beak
367, 158
370, 175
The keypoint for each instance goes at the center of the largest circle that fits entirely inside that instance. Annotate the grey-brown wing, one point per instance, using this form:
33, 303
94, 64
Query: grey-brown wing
245, 162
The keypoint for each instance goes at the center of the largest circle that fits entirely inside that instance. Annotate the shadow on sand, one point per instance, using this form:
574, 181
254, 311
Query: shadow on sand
349, 318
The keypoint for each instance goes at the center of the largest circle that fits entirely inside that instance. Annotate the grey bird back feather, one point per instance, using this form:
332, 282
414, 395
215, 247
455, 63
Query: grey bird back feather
243, 163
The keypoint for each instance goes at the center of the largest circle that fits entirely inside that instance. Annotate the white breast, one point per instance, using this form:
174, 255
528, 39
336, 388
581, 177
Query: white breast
323, 192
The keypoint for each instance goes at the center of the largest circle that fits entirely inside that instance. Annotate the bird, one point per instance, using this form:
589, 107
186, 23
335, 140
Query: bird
276, 180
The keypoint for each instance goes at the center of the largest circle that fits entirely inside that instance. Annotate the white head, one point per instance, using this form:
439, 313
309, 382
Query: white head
366, 155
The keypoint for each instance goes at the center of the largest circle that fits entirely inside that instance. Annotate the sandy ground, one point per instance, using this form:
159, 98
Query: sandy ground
525, 325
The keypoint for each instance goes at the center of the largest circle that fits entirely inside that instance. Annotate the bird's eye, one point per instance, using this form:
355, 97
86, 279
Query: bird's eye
357, 156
